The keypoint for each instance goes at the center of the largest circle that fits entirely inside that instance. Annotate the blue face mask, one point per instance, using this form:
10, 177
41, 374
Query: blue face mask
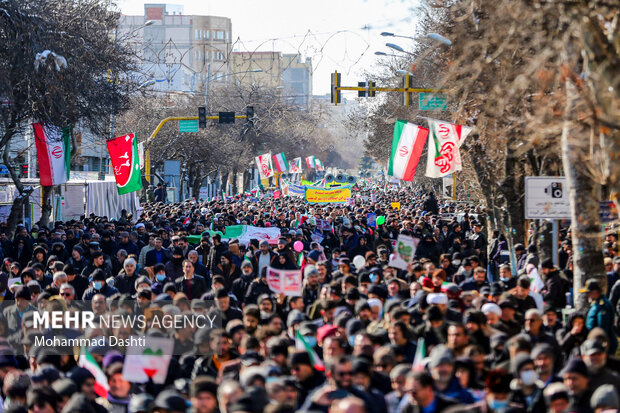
351, 340
311, 340
160, 277
97, 285
504, 279
498, 404
373, 277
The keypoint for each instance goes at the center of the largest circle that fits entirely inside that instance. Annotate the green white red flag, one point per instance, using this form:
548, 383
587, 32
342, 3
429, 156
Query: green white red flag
279, 161
265, 167
294, 166
87, 361
319, 165
310, 162
420, 354
125, 161
302, 344
407, 144
444, 156
53, 153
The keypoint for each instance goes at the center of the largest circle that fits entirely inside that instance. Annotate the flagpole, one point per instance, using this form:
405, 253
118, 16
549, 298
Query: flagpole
454, 186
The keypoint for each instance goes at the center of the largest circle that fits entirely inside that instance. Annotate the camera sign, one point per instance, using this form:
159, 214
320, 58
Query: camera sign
546, 197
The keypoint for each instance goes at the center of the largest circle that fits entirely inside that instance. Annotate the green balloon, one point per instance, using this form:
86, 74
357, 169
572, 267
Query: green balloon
380, 220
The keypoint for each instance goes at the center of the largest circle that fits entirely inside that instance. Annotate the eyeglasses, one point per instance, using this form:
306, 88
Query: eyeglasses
66, 294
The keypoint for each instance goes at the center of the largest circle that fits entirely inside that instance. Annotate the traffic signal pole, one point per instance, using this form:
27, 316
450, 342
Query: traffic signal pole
173, 118
370, 89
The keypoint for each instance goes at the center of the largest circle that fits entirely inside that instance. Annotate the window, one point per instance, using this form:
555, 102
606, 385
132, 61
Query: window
218, 56
206, 35
207, 55
197, 34
219, 35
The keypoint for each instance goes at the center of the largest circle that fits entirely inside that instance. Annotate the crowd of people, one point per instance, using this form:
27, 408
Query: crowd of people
473, 324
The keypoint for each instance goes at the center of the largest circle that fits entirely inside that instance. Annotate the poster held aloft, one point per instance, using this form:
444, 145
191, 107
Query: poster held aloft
148, 361
404, 251
287, 282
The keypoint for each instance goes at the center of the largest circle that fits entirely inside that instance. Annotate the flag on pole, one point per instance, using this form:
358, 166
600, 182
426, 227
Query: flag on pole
444, 156
265, 168
294, 166
87, 361
279, 160
310, 163
407, 145
125, 161
420, 354
302, 344
53, 153
319, 165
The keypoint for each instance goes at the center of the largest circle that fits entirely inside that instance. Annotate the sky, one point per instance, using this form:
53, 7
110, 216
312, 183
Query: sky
338, 35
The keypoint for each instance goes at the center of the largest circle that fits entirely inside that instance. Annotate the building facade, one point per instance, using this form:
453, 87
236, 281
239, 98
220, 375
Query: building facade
178, 50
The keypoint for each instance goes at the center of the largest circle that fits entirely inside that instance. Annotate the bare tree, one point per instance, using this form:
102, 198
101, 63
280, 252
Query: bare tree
60, 64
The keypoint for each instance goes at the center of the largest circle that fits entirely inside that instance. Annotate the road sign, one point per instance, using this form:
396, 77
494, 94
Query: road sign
433, 101
546, 197
188, 126
4, 170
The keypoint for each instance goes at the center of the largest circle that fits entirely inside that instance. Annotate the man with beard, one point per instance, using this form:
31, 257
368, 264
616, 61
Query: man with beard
339, 385
575, 376
158, 255
310, 291
601, 312
257, 287
203, 395
193, 285
594, 355
441, 367
263, 256
240, 285
308, 379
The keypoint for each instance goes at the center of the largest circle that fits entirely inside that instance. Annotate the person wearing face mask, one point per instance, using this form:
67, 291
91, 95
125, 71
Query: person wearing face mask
98, 285
594, 354
526, 388
160, 274
174, 267
506, 279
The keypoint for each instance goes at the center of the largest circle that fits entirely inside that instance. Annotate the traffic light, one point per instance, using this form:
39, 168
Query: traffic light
336, 95
226, 117
202, 117
25, 170
407, 84
361, 93
249, 113
370, 89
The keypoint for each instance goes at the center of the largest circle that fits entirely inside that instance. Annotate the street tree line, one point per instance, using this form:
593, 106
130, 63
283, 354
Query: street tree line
542, 98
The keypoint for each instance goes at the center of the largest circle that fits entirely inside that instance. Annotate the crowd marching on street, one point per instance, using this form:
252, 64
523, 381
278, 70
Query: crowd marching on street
472, 323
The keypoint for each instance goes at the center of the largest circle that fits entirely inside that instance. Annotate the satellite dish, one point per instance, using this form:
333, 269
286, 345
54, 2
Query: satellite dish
329, 178
341, 178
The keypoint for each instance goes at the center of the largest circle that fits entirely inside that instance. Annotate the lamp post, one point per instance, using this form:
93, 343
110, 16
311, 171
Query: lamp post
433, 36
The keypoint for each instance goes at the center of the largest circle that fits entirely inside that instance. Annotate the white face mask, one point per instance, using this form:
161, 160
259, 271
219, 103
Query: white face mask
528, 377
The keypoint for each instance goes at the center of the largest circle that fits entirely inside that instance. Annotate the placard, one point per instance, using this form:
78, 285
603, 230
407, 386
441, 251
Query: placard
148, 361
404, 252
395, 205
287, 282
327, 195
371, 219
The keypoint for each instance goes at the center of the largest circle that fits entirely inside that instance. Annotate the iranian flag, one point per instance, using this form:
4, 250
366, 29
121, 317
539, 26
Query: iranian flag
125, 161
294, 166
444, 156
265, 168
319, 165
279, 161
420, 354
87, 361
407, 145
53, 153
310, 163
302, 344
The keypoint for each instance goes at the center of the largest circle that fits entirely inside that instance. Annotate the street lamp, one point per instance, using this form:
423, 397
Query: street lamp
433, 36
388, 34
146, 84
404, 72
385, 54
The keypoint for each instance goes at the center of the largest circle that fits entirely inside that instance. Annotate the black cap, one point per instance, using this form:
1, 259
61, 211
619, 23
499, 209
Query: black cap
591, 285
300, 357
170, 400
547, 263
575, 365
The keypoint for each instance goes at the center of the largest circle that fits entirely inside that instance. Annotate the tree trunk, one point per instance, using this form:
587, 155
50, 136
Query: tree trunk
196, 182
46, 205
513, 188
585, 196
234, 181
543, 234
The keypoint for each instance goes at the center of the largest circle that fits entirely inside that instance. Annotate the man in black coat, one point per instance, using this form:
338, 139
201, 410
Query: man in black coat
421, 386
554, 292
191, 284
